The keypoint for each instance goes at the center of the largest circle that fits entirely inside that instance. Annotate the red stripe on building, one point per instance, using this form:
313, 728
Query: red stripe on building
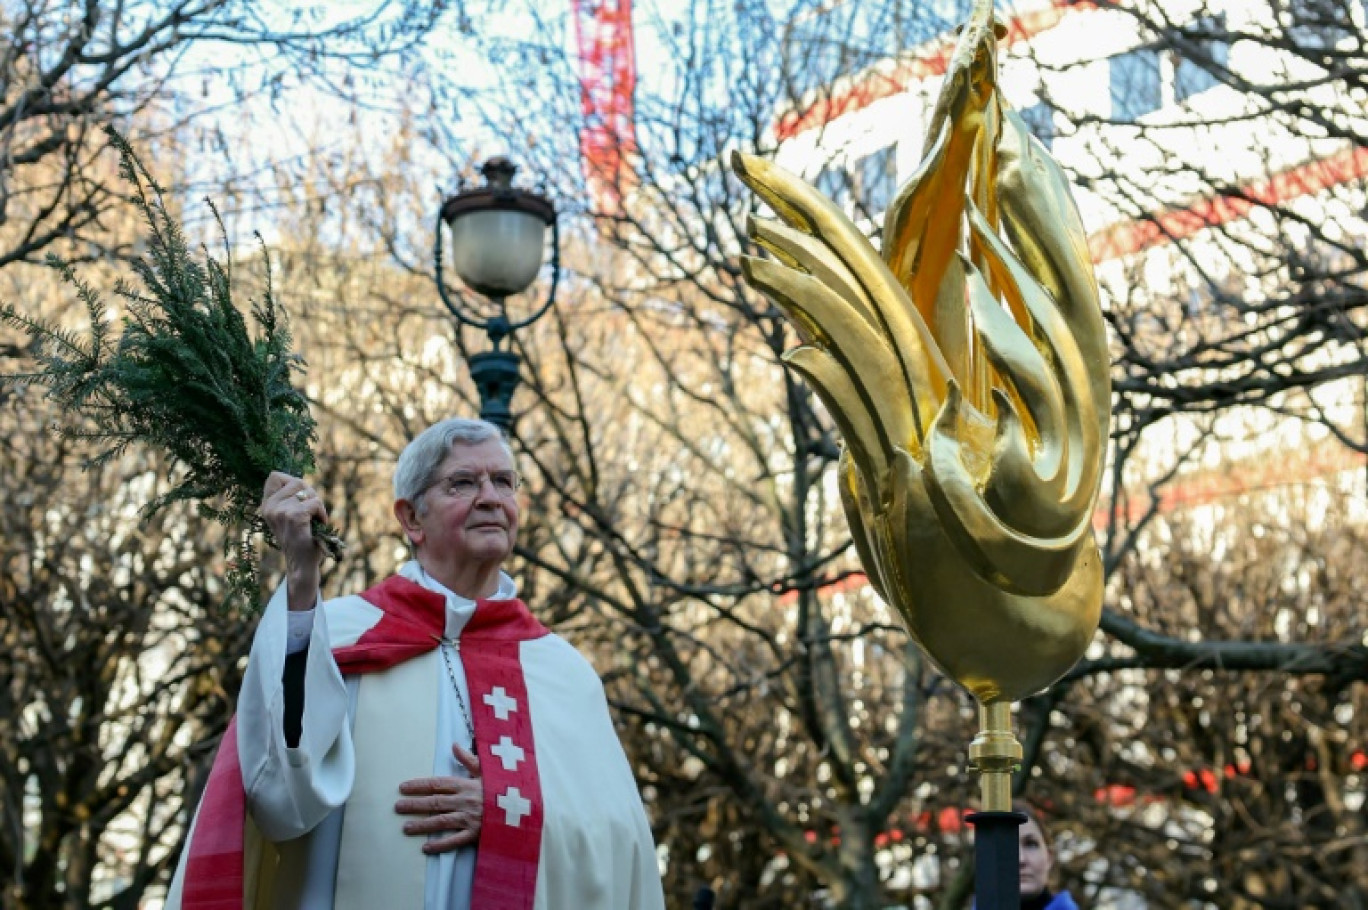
1251, 475
854, 582
1176, 224
867, 88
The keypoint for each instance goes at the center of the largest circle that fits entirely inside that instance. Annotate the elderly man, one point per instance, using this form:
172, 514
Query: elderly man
426, 743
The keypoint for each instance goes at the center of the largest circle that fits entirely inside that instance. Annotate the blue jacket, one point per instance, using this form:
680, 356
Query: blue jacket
1061, 901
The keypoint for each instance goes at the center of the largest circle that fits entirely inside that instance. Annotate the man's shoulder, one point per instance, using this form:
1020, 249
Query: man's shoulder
347, 602
558, 655
349, 617
370, 602
553, 644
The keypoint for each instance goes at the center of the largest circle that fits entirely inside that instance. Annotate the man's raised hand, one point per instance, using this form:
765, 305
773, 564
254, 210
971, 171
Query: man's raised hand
288, 507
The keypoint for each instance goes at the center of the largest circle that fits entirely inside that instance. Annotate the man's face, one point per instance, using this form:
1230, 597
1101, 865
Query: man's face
476, 528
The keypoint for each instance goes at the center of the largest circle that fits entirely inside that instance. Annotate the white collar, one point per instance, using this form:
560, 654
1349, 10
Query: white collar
458, 609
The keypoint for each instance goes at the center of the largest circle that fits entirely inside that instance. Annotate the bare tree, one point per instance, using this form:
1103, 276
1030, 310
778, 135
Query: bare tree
118, 672
1199, 785
69, 67
682, 520
691, 470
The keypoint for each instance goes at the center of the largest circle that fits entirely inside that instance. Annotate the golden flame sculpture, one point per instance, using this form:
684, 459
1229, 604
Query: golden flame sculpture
967, 369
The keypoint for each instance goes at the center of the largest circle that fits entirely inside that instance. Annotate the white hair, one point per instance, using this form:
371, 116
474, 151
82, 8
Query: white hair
417, 466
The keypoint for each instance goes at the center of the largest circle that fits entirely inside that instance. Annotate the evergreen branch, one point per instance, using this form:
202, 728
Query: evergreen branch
188, 375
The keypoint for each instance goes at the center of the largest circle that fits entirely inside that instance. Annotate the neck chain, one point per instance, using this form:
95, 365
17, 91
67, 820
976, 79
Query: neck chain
443, 645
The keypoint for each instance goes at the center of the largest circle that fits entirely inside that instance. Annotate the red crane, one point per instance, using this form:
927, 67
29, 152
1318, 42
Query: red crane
607, 71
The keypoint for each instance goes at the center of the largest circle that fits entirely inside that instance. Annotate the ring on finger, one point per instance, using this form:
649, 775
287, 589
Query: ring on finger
301, 495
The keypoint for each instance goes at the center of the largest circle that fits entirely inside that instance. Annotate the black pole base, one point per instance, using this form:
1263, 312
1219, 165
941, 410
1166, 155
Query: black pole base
496, 377
997, 857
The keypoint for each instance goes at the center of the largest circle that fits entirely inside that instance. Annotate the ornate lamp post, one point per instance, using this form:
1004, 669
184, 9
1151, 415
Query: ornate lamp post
498, 244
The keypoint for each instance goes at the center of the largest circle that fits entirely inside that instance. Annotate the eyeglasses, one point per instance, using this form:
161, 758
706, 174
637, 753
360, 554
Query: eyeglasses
467, 484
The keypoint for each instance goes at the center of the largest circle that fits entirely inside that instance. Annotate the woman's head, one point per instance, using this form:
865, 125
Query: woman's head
1037, 858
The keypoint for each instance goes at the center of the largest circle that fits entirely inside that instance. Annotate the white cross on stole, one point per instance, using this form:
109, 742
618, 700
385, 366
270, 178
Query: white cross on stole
500, 703
514, 806
509, 752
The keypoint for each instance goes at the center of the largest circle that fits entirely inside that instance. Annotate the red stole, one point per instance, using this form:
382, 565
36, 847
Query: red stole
414, 621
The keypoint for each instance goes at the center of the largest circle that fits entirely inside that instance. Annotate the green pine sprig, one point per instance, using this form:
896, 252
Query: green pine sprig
186, 375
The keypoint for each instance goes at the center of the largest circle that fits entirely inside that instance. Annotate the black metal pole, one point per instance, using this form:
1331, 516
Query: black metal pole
997, 853
496, 377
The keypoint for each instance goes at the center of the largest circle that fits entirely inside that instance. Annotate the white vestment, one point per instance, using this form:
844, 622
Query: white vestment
339, 841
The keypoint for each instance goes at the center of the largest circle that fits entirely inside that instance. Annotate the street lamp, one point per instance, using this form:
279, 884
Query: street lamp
498, 243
